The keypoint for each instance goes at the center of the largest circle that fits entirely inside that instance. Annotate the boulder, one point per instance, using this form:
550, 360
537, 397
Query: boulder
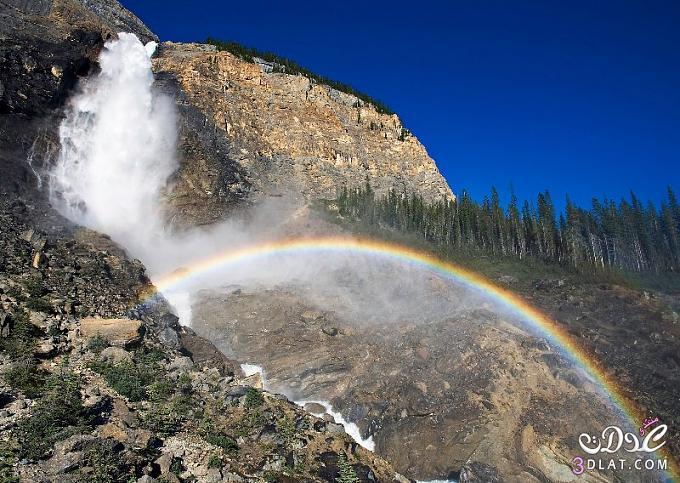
115, 355
118, 332
315, 408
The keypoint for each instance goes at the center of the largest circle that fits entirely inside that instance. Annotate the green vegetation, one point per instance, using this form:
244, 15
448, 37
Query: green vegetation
39, 304
34, 286
126, 378
97, 344
8, 457
105, 464
347, 473
58, 414
176, 466
286, 428
215, 461
137, 378
22, 339
26, 376
287, 66
254, 398
209, 433
609, 240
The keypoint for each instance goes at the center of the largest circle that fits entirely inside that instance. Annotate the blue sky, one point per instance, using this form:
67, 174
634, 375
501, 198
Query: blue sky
578, 97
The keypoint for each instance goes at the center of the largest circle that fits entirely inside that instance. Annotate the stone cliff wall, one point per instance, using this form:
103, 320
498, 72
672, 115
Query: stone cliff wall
291, 135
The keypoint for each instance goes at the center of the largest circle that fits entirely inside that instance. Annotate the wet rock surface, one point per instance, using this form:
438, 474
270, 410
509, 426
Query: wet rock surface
435, 396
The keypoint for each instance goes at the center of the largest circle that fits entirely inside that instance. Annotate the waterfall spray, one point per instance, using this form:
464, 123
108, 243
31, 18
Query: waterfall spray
118, 144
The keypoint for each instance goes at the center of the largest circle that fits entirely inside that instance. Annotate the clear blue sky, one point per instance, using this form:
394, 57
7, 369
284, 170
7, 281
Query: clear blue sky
578, 97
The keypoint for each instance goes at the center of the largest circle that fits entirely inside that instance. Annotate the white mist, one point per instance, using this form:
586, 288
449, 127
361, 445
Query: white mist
118, 148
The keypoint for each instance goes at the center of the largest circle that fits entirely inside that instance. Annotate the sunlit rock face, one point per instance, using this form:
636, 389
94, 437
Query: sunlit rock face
288, 134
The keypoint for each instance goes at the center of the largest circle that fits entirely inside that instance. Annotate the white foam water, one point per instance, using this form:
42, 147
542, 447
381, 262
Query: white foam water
350, 428
118, 148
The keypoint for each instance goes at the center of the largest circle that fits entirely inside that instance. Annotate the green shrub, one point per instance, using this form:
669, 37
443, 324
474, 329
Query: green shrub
16, 293
104, 464
271, 476
56, 416
8, 458
22, 339
97, 344
161, 420
215, 461
222, 440
254, 398
34, 286
213, 436
286, 428
149, 356
347, 473
125, 378
176, 466
161, 390
39, 304
26, 376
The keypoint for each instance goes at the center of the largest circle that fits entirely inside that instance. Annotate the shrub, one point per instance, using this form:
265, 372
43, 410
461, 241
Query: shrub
105, 464
214, 461
39, 304
161, 420
160, 390
213, 436
26, 376
125, 378
7, 461
254, 398
225, 442
286, 428
97, 344
34, 286
21, 342
57, 415
176, 466
347, 473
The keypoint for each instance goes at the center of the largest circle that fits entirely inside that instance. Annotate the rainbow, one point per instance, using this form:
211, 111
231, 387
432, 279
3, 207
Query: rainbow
548, 328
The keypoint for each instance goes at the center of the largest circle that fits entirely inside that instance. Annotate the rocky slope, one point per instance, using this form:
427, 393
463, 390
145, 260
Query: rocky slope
98, 387
285, 135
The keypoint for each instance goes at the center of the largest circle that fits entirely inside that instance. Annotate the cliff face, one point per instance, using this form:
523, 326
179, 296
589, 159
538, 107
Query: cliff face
288, 134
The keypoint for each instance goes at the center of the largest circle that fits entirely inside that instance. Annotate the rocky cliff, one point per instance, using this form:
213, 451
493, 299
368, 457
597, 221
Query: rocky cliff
95, 386
285, 134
